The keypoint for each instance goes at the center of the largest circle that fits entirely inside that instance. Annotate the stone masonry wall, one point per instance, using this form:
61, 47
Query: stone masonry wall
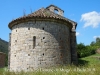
2, 60
39, 44
74, 59
9, 48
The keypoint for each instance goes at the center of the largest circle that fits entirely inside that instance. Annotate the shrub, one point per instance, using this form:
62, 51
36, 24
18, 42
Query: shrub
84, 51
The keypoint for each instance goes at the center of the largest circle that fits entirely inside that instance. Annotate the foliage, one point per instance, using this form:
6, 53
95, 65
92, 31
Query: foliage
87, 50
96, 43
3, 46
84, 51
4, 49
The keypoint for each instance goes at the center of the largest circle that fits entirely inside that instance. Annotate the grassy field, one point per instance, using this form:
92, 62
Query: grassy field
87, 66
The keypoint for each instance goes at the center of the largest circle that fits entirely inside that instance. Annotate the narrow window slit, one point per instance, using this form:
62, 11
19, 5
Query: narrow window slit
28, 54
15, 40
28, 28
43, 54
43, 37
43, 28
34, 41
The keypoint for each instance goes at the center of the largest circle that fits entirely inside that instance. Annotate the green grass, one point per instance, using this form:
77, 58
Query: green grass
87, 66
90, 60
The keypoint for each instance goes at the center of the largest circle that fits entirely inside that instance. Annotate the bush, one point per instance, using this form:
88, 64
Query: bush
84, 51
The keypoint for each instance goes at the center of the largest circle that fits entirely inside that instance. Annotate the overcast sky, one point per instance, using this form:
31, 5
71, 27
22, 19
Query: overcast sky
85, 12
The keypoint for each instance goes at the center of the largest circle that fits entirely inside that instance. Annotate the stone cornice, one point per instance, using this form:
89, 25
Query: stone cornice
16, 22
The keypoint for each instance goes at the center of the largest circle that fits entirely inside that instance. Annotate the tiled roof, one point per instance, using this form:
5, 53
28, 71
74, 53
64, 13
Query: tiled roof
41, 13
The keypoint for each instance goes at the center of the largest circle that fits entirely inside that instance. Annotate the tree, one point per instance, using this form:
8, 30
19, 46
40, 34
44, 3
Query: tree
92, 43
97, 39
84, 51
80, 49
98, 42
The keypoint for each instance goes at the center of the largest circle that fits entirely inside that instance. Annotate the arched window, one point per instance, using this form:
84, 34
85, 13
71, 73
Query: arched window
56, 11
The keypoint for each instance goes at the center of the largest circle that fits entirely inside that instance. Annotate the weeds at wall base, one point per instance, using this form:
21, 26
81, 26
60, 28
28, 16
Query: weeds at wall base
88, 66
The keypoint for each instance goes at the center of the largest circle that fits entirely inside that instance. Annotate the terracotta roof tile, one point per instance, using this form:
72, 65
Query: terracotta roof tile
41, 13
